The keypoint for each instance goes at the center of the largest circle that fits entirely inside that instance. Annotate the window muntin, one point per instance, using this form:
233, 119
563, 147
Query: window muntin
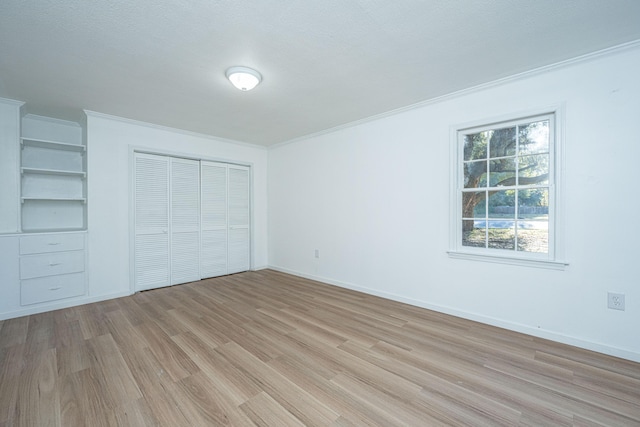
505, 196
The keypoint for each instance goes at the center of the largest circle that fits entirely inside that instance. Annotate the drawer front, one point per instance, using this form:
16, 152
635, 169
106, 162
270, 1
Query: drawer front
44, 243
51, 264
43, 289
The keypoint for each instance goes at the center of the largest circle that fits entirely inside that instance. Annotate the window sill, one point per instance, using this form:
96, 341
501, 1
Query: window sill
537, 263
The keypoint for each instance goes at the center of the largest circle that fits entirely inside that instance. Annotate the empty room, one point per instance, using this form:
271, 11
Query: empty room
319, 213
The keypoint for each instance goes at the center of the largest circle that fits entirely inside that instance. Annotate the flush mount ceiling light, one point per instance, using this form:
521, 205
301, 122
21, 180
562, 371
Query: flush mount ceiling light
243, 78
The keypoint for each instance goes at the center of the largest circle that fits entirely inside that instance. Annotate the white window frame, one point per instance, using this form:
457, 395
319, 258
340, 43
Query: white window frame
554, 259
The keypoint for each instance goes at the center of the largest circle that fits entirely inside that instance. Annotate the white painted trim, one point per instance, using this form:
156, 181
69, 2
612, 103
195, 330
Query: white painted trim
125, 120
524, 262
252, 219
463, 92
12, 102
132, 219
516, 327
60, 304
185, 155
18, 165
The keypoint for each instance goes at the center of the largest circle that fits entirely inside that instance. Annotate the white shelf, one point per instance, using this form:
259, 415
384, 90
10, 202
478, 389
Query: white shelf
53, 230
41, 171
42, 143
55, 199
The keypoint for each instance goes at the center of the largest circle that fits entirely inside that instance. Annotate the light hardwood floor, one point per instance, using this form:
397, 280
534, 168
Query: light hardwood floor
269, 349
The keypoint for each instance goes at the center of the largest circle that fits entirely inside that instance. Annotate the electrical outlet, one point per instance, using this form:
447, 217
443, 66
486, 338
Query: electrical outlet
615, 301
317, 253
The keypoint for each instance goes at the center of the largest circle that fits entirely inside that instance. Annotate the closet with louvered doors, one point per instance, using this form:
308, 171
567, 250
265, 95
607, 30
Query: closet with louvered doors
191, 220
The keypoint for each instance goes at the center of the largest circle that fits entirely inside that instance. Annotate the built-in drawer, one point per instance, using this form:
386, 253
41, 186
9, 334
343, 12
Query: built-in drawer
55, 242
51, 264
43, 289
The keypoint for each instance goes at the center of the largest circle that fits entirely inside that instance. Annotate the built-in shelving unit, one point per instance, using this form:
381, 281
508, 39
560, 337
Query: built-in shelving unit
53, 175
43, 211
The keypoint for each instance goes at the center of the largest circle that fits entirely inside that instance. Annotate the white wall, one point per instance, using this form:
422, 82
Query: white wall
108, 176
374, 199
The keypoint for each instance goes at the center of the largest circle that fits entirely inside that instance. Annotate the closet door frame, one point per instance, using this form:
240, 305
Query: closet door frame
133, 149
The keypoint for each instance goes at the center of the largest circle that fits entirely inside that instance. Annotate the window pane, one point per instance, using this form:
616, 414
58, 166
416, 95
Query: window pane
533, 204
473, 233
502, 172
533, 169
502, 204
473, 204
534, 137
502, 142
507, 179
475, 145
533, 236
502, 235
475, 174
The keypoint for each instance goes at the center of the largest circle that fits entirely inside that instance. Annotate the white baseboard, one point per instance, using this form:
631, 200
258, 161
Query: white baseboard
57, 305
536, 332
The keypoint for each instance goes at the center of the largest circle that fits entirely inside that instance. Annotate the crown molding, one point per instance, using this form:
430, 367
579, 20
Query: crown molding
478, 88
125, 120
13, 102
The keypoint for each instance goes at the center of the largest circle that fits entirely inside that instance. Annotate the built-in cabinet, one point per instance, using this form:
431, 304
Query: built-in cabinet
52, 267
40, 270
191, 220
42, 211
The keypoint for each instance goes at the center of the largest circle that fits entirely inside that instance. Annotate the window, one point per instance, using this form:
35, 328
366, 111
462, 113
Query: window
505, 198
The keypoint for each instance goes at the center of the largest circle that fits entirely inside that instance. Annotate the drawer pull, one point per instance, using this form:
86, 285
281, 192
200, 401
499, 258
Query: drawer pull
53, 264
56, 288
53, 243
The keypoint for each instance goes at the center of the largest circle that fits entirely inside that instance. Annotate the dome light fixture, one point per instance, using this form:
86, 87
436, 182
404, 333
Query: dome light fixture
243, 78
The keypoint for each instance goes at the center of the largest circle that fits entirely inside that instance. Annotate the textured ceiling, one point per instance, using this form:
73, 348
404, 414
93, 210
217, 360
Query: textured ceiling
324, 63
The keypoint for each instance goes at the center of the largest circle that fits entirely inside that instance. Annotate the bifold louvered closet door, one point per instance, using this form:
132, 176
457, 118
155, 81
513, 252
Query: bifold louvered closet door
238, 235
151, 240
185, 220
225, 219
191, 220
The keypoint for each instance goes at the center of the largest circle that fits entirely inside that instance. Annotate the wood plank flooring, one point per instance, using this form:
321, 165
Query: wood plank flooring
268, 349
